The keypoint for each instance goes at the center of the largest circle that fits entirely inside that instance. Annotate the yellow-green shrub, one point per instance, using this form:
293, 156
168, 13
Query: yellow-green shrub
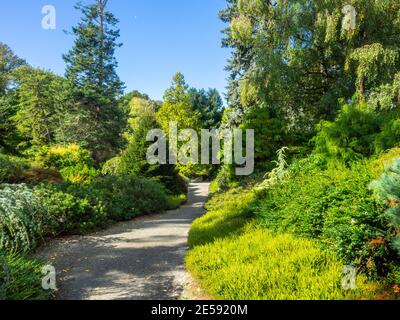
74, 163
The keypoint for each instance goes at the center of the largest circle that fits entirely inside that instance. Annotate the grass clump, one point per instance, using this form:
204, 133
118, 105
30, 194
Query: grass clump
258, 265
21, 278
228, 214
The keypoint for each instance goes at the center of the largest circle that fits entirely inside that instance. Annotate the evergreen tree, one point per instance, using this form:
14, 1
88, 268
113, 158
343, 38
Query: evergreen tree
91, 70
387, 189
238, 65
9, 61
133, 160
37, 105
210, 106
142, 119
177, 107
126, 100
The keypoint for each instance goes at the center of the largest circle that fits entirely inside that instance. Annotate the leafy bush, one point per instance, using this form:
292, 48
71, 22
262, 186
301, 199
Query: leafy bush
351, 136
389, 136
111, 166
17, 170
82, 208
20, 278
68, 212
224, 180
79, 174
358, 131
175, 202
168, 176
278, 174
22, 217
60, 157
127, 197
75, 164
387, 189
234, 259
334, 206
11, 168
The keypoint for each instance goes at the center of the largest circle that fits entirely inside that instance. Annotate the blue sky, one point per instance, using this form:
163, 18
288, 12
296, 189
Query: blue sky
160, 38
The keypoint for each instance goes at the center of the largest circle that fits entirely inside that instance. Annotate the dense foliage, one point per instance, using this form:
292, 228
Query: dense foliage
327, 96
387, 191
334, 206
73, 147
294, 62
95, 85
234, 259
303, 76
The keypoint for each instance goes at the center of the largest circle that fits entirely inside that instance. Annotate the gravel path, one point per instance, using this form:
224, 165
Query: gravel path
139, 260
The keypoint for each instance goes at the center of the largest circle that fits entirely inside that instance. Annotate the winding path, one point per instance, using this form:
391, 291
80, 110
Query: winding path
138, 260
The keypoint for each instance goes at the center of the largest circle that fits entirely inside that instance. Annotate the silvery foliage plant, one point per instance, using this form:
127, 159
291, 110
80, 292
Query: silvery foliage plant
21, 216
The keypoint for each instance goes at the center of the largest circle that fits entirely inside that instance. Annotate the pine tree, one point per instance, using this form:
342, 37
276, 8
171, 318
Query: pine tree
387, 189
9, 61
177, 106
210, 106
37, 105
91, 70
142, 119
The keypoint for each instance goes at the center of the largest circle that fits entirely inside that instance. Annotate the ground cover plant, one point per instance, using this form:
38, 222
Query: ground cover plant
234, 258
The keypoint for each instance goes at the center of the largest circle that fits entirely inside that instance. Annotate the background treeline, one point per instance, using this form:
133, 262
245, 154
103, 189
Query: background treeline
328, 98
73, 148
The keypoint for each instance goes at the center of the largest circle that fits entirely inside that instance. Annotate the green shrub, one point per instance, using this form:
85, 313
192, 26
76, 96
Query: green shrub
351, 136
68, 212
75, 164
82, 208
22, 216
174, 202
79, 174
389, 137
358, 131
20, 278
59, 157
334, 206
168, 176
11, 169
387, 190
127, 197
224, 180
17, 170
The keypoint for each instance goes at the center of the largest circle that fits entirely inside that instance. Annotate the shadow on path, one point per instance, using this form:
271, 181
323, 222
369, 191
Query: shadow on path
138, 260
